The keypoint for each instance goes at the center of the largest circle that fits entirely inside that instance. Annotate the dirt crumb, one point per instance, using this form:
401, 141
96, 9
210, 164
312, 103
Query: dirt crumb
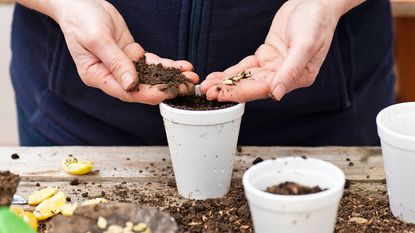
257, 160
292, 188
74, 182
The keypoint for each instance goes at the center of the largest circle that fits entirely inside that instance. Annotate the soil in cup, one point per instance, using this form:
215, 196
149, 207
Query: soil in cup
8, 185
197, 103
292, 188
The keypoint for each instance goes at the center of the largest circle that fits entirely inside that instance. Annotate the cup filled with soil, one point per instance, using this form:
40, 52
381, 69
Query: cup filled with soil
294, 194
202, 137
396, 129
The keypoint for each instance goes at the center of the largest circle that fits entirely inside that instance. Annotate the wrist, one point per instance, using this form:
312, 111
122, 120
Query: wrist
47, 7
341, 7
350, 4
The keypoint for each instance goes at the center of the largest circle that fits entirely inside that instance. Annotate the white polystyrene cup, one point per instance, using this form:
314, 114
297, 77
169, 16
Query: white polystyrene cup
202, 146
396, 129
311, 213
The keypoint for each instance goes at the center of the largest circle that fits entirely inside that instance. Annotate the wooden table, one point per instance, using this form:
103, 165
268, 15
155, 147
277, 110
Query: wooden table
140, 166
144, 164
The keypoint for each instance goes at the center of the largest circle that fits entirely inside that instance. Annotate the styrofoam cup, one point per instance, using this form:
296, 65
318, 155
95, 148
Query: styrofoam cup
311, 213
202, 146
396, 129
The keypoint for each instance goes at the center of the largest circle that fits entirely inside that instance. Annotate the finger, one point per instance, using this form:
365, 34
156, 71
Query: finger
211, 80
117, 62
134, 51
215, 77
288, 77
192, 76
146, 94
186, 89
218, 77
245, 90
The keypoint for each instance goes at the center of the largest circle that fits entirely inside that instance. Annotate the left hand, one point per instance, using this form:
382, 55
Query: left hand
290, 58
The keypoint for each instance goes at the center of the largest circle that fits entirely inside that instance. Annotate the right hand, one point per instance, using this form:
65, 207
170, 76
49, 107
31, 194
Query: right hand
103, 50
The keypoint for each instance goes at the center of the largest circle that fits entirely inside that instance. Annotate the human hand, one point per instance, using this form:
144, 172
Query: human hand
103, 50
291, 56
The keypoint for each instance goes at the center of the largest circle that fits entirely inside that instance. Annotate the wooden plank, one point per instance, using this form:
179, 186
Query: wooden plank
402, 8
404, 50
6, 1
153, 163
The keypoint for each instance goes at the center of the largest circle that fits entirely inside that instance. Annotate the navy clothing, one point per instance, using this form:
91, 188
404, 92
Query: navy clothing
29, 136
354, 84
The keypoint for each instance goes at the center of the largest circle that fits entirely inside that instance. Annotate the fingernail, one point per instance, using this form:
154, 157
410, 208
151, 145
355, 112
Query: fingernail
278, 92
127, 81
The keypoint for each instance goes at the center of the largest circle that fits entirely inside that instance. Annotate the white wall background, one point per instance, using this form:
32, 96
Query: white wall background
8, 121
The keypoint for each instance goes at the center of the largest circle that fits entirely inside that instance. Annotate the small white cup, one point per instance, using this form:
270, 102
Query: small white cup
311, 213
396, 129
202, 146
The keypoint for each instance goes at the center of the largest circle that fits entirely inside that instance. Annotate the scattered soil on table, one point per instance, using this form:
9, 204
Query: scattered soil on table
368, 211
8, 186
15, 156
292, 188
228, 214
239, 148
158, 74
257, 160
361, 210
198, 103
74, 182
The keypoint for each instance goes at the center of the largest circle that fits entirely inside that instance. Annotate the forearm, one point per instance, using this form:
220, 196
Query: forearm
47, 7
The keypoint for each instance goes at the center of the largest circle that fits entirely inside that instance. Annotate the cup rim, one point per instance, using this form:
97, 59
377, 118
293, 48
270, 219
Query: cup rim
201, 112
292, 198
380, 121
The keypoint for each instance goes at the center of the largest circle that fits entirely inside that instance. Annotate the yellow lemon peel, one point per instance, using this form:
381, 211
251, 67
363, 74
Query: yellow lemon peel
50, 206
38, 196
76, 166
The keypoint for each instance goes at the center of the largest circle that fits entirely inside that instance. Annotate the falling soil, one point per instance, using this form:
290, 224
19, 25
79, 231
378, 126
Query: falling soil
292, 188
158, 74
8, 185
15, 156
197, 103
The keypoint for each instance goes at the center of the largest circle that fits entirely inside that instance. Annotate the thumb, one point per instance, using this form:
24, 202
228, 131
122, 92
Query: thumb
290, 75
117, 62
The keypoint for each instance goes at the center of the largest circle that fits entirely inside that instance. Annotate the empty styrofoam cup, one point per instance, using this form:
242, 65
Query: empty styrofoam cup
202, 146
396, 129
311, 213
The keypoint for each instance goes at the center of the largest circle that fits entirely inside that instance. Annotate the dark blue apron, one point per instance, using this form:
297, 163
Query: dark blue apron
354, 83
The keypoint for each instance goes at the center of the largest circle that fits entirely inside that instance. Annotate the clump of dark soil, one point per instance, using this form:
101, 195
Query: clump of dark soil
292, 188
74, 182
257, 160
197, 103
15, 156
8, 186
158, 74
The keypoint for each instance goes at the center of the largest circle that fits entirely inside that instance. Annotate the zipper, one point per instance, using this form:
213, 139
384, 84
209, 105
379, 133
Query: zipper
195, 19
